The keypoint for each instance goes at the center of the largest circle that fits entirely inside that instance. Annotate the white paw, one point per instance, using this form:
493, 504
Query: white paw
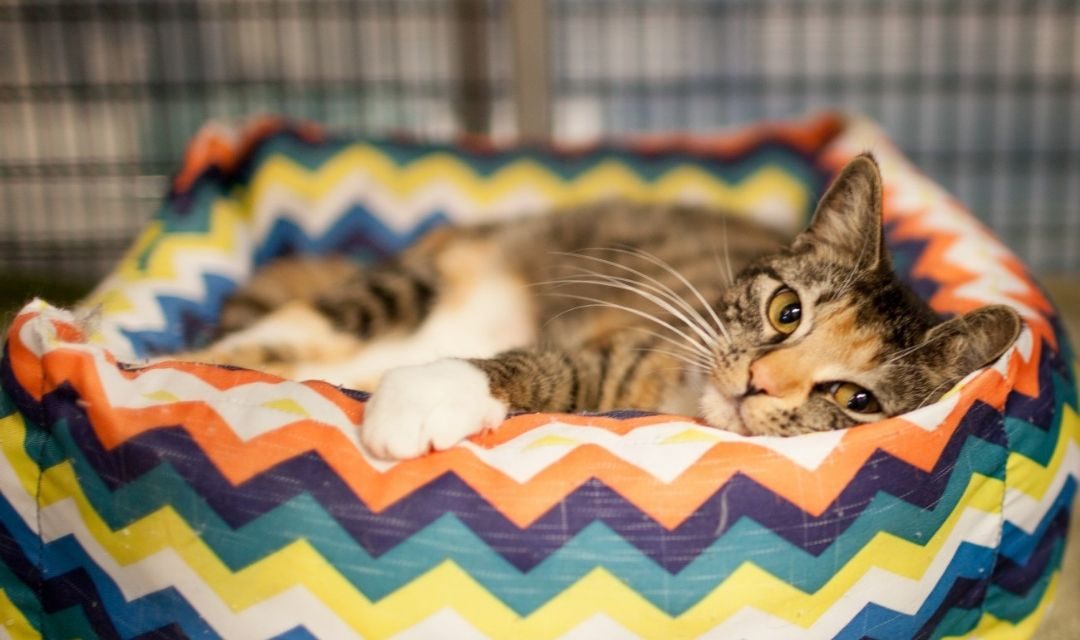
428, 407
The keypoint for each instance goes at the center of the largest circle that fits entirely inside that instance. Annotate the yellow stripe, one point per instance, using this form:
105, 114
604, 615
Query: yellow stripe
15, 623
606, 179
766, 186
1030, 477
12, 443
174, 248
448, 585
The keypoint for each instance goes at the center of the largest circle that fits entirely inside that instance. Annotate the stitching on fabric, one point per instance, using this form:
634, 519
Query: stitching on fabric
46, 432
996, 555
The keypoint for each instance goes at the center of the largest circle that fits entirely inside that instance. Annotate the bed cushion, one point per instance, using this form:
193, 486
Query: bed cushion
184, 500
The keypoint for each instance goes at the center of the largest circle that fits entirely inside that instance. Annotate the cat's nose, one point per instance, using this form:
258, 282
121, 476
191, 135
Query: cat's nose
767, 379
751, 388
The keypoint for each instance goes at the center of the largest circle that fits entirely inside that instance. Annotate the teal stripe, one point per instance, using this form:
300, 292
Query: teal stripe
303, 518
1013, 607
1039, 443
649, 167
197, 205
22, 596
44, 451
69, 623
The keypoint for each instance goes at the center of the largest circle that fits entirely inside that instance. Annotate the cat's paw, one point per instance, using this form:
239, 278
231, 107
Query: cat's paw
428, 407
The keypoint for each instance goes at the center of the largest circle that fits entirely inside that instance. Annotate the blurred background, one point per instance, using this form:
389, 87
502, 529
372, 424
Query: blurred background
98, 97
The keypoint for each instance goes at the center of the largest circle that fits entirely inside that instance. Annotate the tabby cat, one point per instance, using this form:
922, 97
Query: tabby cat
664, 308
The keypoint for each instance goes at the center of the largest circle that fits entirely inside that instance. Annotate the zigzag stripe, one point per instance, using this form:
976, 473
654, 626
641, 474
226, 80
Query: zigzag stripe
1023, 514
523, 548
748, 581
850, 503
806, 138
16, 625
261, 537
1015, 593
963, 585
136, 610
1015, 608
19, 601
68, 598
136, 534
362, 174
990, 626
128, 298
190, 320
355, 231
911, 444
1037, 451
1019, 578
1056, 385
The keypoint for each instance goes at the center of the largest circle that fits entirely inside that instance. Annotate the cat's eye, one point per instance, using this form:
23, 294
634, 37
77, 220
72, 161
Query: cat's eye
784, 311
854, 398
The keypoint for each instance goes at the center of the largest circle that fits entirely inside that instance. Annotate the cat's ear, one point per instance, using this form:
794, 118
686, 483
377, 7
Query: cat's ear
848, 217
968, 342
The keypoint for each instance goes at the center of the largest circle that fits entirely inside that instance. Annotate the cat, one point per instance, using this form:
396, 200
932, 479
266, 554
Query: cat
669, 308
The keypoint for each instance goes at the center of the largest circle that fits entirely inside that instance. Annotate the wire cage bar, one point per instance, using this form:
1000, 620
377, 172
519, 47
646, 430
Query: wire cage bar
97, 97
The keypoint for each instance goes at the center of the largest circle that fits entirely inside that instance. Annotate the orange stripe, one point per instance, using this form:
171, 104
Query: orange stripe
209, 148
933, 264
669, 504
24, 364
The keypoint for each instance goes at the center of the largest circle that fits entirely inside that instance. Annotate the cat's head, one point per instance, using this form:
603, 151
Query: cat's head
824, 335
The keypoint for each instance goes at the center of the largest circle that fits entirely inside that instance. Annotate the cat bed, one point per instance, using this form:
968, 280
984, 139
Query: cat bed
188, 500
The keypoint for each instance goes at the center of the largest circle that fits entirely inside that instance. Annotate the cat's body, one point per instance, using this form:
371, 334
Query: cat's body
673, 309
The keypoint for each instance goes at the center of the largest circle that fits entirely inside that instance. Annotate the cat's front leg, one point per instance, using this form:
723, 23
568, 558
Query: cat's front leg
434, 406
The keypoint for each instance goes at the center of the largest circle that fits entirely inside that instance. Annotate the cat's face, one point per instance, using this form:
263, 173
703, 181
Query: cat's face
823, 335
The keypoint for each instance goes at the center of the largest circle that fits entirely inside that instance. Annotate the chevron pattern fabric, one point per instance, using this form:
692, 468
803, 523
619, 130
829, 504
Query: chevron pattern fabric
182, 500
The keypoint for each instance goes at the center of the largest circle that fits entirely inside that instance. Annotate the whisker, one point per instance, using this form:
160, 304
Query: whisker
903, 353
675, 297
604, 303
636, 288
699, 324
672, 354
689, 285
687, 349
932, 396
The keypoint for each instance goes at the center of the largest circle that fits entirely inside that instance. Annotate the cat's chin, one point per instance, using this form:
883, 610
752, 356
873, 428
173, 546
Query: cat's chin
722, 412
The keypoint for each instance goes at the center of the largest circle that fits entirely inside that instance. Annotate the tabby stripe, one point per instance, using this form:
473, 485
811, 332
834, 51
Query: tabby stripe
628, 373
605, 358
386, 297
759, 270
423, 292
254, 303
575, 388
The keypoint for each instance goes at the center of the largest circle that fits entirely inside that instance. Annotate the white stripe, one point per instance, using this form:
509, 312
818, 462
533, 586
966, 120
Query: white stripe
1027, 512
876, 586
442, 625
165, 569
597, 627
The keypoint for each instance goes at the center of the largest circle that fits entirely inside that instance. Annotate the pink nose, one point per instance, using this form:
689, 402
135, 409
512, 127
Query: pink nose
767, 379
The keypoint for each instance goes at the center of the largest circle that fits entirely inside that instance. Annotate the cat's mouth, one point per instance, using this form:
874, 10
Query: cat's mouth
723, 412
